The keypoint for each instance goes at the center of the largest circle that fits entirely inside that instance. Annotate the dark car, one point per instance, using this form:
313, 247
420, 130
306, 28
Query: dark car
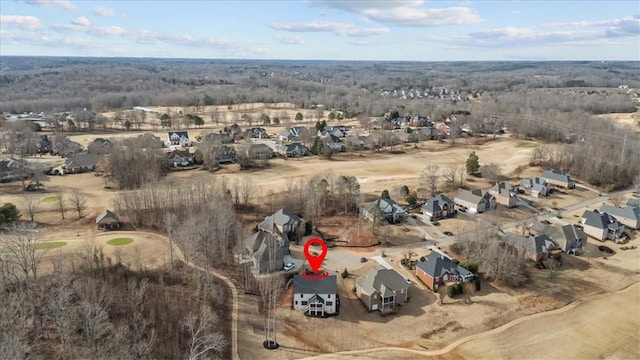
363, 259
448, 233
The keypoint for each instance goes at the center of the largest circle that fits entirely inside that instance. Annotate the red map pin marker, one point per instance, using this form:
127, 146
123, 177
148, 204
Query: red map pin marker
315, 261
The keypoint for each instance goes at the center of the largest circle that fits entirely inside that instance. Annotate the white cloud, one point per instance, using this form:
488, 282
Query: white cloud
81, 21
407, 13
31, 23
337, 28
151, 37
585, 33
65, 4
83, 25
104, 11
290, 39
627, 26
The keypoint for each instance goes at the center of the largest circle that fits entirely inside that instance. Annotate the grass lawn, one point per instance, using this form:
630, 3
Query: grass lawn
50, 245
527, 144
50, 199
45, 245
120, 241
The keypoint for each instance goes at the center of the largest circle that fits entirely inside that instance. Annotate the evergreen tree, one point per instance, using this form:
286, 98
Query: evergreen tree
473, 164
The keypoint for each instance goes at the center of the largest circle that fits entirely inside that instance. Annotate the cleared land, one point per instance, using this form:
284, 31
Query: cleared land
602, 328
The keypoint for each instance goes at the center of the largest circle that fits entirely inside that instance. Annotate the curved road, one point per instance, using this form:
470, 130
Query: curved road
459, 342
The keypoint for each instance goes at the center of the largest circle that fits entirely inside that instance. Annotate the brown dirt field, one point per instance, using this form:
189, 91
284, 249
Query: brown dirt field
606, 327
628, 120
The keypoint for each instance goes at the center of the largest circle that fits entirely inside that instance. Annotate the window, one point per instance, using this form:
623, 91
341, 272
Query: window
296, 302
304, 303
329, 303
329, 296
300, 296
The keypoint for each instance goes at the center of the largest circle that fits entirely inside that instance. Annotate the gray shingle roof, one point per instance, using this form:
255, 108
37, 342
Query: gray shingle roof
557, 175
600, 220
83, 160
107, 217
627, 212
302, 285
633, 202
381, 280
435, 203
437, 264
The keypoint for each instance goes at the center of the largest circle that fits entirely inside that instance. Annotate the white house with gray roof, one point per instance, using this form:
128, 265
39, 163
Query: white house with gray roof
536, 187
558, 178
283, 221
628, 215
382, 290
390, 209
475, 201
601, 226
315, 297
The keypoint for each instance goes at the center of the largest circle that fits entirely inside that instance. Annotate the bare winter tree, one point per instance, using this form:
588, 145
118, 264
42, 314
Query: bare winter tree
616, 200
450, 176
247, 190
78, 202
21, 251
491, 172
170, 223
270, 288
61, 204
31, 205
93, 313
141, 337
430, 176
203, 340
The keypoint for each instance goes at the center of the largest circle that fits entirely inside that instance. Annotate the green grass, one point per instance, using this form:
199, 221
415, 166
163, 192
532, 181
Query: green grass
50, 199
526, 145
44, 245
120, 241
50, 245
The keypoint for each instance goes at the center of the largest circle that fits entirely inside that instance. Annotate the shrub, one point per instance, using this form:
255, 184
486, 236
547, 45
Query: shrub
345, 273
472, 266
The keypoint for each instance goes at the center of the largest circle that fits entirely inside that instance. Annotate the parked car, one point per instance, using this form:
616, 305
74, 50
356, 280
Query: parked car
363, 259
288, 267
448, 233
409, 282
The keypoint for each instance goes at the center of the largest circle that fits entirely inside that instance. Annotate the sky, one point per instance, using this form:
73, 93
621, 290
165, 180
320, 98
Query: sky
396, 30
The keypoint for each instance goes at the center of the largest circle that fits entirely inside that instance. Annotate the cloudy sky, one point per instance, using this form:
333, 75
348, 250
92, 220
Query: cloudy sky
324, 29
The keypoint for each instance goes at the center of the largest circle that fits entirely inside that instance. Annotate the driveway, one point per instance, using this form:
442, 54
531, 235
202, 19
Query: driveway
425, 219
411, 221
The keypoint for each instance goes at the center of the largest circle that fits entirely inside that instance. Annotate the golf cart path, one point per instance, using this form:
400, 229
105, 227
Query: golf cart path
425, 353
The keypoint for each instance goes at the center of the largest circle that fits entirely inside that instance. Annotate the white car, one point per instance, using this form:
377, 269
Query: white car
289, 267
409, 282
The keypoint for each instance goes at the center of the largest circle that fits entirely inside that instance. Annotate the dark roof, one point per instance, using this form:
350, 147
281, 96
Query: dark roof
437, 264
179, 133
9, 164
435, 203
302, 285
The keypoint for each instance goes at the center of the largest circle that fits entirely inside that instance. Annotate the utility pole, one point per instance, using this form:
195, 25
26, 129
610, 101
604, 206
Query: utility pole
624, 146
